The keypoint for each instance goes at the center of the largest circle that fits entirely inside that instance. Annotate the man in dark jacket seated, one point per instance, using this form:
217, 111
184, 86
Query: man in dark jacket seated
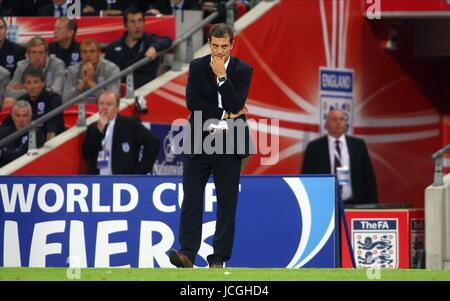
21, 116
41, 102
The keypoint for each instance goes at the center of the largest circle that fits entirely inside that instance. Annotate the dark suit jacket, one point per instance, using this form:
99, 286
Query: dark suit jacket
122, 5
316, 160
202, 96
49, 11
165, 8
19, 146
129, 135
26, 7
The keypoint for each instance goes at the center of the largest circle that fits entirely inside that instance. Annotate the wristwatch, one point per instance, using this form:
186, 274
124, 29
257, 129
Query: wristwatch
222, 79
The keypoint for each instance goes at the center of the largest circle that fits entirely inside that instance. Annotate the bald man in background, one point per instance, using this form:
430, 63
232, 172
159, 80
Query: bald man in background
338, 150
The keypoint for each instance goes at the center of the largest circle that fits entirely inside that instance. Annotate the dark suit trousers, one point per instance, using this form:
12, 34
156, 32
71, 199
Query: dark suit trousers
226, 173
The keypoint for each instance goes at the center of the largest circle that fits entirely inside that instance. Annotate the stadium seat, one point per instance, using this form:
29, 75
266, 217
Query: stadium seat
71, 114
123, 89
4, 113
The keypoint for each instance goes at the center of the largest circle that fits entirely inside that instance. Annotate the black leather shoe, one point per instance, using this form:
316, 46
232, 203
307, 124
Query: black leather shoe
216, 265
179, 260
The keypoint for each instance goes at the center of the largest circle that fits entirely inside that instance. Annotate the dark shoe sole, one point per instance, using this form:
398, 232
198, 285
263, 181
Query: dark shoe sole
176, 259
216, 266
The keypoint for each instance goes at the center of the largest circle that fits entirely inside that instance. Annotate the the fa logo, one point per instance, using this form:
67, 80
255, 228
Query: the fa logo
73, 9
373, 10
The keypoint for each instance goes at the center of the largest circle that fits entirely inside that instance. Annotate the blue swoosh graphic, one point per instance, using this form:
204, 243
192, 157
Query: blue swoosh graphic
317, 210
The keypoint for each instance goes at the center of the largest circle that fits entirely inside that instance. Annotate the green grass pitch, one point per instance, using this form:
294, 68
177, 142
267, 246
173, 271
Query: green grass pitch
231, 274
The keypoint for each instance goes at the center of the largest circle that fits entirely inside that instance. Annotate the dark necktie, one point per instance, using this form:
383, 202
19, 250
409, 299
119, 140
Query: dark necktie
60, 10
337, 156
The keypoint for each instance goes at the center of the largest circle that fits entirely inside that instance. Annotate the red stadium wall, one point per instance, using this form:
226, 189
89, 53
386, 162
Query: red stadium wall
400, 101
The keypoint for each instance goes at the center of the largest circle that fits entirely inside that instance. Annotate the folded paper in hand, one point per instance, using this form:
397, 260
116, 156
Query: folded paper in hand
222, 125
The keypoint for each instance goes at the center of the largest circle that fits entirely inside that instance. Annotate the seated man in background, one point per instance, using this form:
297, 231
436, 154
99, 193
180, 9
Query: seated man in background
21, 117
134, 45
91, 71
10, 53
117, 144
52, 68
4, 81
41, 101
336, 150
65, 47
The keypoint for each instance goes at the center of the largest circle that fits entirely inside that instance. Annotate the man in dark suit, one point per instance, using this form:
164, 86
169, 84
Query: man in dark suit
113, 144
336, 150
216, 93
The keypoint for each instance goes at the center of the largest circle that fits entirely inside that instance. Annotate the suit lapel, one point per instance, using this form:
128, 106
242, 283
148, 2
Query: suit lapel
231, 66
351, 150
210, 76
326, 154
116, 133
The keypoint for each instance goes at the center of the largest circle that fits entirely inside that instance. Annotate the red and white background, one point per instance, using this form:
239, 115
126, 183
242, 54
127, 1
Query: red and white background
399, 103
104, 30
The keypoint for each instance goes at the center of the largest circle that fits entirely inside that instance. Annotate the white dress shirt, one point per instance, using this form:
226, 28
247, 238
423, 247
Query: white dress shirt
107, 146
345, 162
220, 84
57, 13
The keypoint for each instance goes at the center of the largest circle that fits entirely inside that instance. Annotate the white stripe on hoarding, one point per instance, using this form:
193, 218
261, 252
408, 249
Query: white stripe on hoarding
323, 18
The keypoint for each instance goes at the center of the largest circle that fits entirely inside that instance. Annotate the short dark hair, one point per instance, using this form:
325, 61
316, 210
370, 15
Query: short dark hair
132, 11
33, 71
220, 30
71, 25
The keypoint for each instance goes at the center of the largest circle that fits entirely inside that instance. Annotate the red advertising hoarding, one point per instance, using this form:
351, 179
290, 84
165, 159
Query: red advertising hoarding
104, 29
